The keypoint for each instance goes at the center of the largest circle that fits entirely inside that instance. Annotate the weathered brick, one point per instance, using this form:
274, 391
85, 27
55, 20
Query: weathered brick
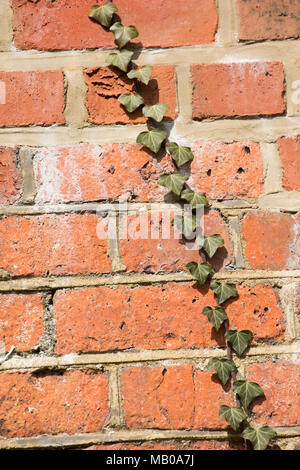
21, 321
52, 244
33, 98
257, 309
173, 397
209, 396
65, 24
271, 240
289, 149
92, 173
225, 171
107, 84
53, 402
280, 381
171, 445
269, 19
238, 89
156, 317
162, 252
10, 176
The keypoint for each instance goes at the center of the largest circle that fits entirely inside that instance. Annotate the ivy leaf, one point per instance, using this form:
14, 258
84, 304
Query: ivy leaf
212, 243
260, 438
247, 391
152, 139
215, 316
123, 34
156, 111
199, 271
234, 416
194, 199
120, 59
143, 74
131, 102
173, 181
239, 340
186, 225
103, 14
223, 367
224, 291
180, 155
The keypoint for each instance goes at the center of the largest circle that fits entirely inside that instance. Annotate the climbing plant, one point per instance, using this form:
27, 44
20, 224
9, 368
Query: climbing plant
154, 139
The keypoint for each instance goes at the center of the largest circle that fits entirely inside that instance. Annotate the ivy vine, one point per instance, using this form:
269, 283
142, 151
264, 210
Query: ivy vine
238, 417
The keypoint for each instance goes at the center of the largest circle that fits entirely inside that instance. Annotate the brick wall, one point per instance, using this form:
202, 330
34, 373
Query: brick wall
110, 345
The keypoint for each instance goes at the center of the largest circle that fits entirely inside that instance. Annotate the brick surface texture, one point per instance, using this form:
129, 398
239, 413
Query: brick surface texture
148, 317
105, 85
63, 244
289, 149
103, 343
32, 98
238, 89
10, 177
269, 19
65, 25
46, 403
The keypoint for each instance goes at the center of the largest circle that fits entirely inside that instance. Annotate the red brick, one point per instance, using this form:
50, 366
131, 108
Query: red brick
53, 402
10, 177
173, 397
209, 396
289, 149
157, 317
280, 381
269, 19
226, 171
271, 240
172, 445
65, 24
92, 173
33, 98
107, 84
168, 254
52, 244
21, 321
238, 89
258, 310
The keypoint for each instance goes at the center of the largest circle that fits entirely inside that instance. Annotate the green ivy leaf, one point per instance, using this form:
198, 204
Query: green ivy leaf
131, 102
239, 340
224, 291
143, 74
123, 34
216, 316
180, 155
194, 199
247, 391
173, 181
212, 243
186, 225
120, 59
103, 14
234, 416
152, 139
260, 438
156, 111
199, 271
223, 367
